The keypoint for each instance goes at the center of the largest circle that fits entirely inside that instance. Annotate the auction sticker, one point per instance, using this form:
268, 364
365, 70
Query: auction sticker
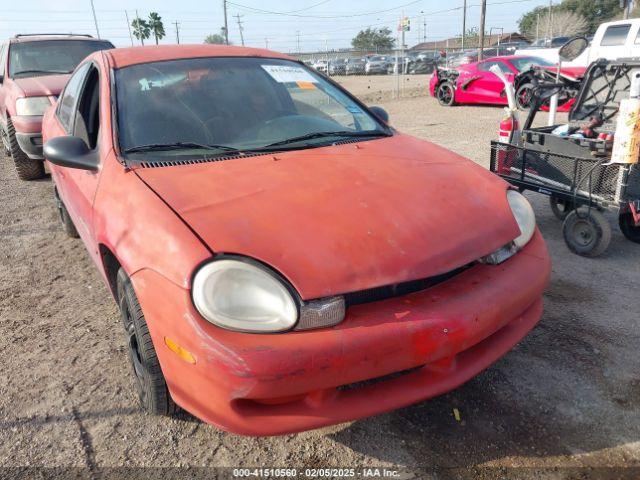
289, 74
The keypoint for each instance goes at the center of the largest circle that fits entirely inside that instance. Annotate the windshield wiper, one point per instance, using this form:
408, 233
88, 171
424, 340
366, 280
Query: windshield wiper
42, 71
154, 147
311, 136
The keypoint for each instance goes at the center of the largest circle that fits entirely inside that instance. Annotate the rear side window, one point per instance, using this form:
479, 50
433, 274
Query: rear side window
615, 35
69, 98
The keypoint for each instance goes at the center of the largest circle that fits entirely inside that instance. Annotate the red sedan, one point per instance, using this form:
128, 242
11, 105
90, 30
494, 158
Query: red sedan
281, 257
474, 83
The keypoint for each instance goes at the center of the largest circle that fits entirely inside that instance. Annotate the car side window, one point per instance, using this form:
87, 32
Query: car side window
485, 66
69, 97
87, 114
615, 35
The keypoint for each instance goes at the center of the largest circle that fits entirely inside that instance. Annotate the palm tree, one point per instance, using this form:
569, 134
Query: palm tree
141, 29
156, 26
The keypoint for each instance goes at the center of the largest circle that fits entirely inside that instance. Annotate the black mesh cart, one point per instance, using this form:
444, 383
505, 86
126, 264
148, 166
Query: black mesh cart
575, 172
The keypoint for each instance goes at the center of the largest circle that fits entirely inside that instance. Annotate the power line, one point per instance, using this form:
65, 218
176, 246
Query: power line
271, 12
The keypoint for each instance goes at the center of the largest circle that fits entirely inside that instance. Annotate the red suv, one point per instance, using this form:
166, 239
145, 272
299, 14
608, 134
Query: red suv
33, 71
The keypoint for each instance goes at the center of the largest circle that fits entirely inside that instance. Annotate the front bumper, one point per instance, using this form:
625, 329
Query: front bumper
29, 135
275, 384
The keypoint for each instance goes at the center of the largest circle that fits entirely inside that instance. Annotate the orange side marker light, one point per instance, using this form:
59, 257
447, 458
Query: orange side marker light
182, 352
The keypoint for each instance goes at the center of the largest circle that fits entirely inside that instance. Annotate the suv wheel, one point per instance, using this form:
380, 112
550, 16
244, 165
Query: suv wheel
26, 168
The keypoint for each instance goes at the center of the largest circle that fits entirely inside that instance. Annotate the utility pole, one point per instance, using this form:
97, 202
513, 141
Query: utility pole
538, 27
483, 11
95, 19
464, 23
549, 21
298, 41
424, 29
226, 26
176, 23
237, 15
129, 27
266, 43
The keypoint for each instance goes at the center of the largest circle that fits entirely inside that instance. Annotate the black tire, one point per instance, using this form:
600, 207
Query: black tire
149, 381
523, 96
586, 232
560, 208
67, 223
628, 226
26, 168
445, 93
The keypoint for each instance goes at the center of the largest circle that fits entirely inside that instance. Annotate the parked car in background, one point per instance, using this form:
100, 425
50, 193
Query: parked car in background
395, 62
387, 304
474, 83
355, 66
33, 71
376, 64
337, 66
321, 65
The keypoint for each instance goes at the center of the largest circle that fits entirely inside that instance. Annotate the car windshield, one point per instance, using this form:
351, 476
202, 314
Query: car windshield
47, 57
202, 105
523, 64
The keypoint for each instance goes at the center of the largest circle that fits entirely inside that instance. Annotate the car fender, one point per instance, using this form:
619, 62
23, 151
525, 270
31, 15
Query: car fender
141, 230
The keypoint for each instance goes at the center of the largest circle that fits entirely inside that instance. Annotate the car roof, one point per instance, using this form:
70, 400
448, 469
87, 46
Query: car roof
124, 57
39, 37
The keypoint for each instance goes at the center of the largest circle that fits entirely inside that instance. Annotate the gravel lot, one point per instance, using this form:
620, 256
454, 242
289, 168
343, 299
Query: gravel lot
563, 404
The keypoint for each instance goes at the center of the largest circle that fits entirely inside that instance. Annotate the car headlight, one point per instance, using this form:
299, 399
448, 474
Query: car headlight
526, 219
32, 106
241, 296
524, 215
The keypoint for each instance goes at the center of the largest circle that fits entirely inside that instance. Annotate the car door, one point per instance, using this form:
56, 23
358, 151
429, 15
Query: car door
78, 114
488, 87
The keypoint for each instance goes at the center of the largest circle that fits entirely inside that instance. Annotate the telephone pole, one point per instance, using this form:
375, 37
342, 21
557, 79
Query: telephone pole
176, 23
95, 19
266, 43
237, 15
129, 26
226, 26
298, 41
483, 11
464, 23
549, 22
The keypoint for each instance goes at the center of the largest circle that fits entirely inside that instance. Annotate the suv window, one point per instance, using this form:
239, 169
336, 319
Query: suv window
615, 35
87, 113
69, 97
3, 57
47, 57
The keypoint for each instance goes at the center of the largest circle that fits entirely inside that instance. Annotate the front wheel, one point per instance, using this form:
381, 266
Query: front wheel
586, 232
149, 381
524, 95
26, 168
628, 226
445, 94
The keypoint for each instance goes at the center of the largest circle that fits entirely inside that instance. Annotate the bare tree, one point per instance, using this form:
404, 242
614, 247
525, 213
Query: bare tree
563, 24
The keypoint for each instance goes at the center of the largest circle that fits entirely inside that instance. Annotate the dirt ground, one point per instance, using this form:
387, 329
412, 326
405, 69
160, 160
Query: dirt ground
563, 404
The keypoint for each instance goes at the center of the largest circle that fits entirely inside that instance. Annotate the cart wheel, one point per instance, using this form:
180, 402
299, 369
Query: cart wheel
586, 232
560, 207
628, 226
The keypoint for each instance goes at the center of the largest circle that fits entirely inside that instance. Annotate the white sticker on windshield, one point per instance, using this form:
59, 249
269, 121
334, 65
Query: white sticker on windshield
289, 74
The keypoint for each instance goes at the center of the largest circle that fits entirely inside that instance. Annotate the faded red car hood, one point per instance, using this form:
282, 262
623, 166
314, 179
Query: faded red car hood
344, 218
45, 85
574, 73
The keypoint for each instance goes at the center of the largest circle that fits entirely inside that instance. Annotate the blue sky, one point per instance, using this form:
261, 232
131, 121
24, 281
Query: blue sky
320, 24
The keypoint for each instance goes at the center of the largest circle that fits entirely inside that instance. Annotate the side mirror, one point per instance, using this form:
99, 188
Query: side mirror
573, 48
71, 152
381, 113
